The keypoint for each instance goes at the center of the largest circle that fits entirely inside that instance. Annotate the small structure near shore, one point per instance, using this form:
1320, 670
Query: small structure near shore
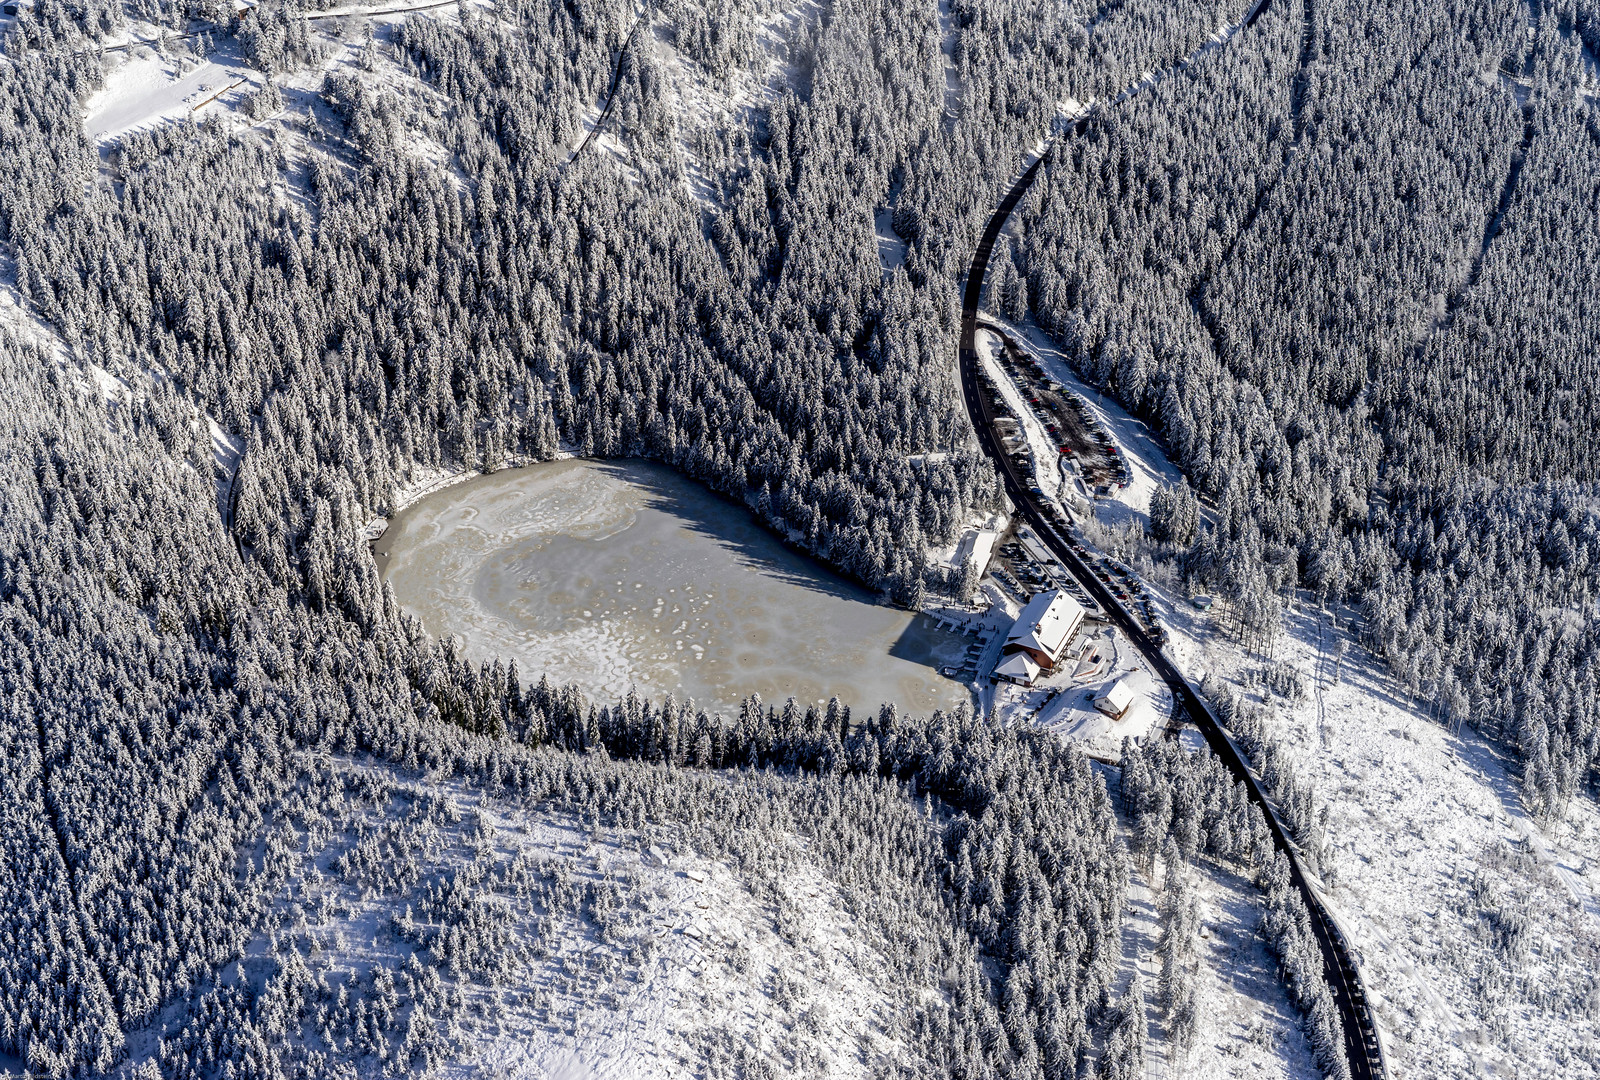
1018, 668
976, 549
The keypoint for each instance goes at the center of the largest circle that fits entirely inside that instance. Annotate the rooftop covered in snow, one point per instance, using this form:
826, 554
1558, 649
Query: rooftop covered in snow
1045, 627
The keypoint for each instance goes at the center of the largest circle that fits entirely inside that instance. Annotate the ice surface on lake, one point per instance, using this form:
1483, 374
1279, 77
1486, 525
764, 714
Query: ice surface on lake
611, 574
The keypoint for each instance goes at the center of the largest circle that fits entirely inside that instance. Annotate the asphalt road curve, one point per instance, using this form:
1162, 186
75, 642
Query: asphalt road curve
1362, 1048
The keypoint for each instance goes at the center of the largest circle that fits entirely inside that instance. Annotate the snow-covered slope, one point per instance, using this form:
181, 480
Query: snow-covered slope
1478, 948
1248, 1029
565, 949
142, 90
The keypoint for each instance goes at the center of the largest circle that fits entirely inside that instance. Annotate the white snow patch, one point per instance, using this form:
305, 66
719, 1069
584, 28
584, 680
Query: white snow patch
1060, 704
1481, 954
687, 954
145, 90
1073, 716
953, 91
891, 249
708, 106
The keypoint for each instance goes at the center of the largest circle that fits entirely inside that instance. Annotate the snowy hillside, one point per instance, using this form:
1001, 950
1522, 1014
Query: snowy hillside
501, 937
1480, 941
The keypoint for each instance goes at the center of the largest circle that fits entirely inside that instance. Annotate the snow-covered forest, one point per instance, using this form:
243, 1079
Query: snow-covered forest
1349, 263
1343, 263
184, 749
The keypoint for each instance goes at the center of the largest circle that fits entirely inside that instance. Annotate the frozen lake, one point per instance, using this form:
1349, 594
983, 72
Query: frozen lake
611, 574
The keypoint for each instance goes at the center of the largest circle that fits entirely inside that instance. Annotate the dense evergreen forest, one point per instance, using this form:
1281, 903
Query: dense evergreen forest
168, 707
1344, 264
1301, 256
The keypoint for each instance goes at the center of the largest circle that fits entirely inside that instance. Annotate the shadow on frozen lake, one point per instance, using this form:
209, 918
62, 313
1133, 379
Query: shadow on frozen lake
620, 574
722, 521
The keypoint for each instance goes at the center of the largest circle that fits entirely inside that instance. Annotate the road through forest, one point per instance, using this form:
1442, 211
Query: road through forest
1362, 1048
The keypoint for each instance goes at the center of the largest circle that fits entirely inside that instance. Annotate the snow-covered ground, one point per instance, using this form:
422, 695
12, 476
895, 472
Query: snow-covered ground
1074, 716
953, 91
714, 961
705, 105
891, 249
142, 89
1060, 703
145, 87
1248, 1028
1480, 951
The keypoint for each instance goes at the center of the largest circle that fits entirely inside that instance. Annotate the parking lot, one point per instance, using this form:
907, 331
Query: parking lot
1067, 419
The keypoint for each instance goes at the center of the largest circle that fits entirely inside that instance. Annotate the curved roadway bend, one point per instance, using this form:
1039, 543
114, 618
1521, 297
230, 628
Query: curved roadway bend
1362, 1048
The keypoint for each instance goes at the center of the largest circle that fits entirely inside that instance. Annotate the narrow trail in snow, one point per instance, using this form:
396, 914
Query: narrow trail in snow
1297, 96
954, 91
1322, 678
1508, 191
611, 95
233, 503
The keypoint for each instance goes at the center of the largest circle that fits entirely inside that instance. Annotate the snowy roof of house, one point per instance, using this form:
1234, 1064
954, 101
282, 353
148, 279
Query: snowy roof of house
1117, 697
976, 546
1046, 624
1018, 666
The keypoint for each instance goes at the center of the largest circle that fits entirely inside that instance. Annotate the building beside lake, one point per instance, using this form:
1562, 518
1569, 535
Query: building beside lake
976, 548
1040, 636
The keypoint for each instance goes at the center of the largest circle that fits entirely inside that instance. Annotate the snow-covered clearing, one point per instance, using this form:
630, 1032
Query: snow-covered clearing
1071, 713
891, 249
143, 89
696, 110
1248, 1028
709, 107
712, 966
1479, 958
227, 451
1568, 851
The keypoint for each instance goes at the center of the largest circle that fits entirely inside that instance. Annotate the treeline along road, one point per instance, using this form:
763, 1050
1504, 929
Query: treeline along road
1362, 1047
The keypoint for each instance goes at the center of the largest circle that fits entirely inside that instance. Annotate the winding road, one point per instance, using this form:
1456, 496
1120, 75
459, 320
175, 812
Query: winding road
1362, 1047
